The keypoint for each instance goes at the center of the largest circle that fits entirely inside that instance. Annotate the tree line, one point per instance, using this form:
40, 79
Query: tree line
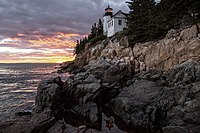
148, 20
96, 33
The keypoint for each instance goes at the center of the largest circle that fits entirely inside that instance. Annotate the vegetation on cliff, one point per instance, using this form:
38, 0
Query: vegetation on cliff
95, 35
149, 20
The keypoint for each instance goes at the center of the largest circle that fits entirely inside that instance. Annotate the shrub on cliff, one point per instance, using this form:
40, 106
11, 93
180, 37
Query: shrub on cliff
95, 36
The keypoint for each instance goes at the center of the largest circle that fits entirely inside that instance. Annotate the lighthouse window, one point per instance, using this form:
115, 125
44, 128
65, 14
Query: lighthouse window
110, 24
119, 22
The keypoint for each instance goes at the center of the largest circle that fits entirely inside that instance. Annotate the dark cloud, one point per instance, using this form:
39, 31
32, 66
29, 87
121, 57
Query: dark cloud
49, 16
46, 25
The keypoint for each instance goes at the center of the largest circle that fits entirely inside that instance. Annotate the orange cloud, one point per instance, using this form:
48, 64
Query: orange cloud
39, 48
56, 41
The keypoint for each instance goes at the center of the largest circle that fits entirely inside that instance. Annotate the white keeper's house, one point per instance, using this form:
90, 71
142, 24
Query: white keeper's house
113, 23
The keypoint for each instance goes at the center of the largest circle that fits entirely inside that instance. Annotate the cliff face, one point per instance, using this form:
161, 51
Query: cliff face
177, 47
152, 87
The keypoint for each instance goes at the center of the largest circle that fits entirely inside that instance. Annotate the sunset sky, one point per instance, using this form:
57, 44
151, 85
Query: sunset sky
46, 30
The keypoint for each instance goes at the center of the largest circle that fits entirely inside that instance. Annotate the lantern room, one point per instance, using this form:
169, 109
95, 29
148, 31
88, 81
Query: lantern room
108, 11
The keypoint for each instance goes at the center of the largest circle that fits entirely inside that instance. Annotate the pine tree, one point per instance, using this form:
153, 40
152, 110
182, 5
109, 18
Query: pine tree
140, 19
100, 28
93, 31
196, 7
77, 47
180, 12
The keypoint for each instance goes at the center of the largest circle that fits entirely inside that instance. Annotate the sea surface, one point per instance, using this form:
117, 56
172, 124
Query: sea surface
18, 86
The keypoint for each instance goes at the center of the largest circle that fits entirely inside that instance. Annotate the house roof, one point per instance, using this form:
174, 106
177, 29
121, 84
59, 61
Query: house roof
115, 15
120, 11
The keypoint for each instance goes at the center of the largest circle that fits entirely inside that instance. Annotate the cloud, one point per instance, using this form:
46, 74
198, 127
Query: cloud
49, 16
51, 24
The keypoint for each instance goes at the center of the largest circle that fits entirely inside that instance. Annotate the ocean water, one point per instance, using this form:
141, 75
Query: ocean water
18, 86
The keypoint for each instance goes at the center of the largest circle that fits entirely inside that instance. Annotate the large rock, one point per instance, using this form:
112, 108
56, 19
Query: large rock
133, 101
40, 122
88, 110
108, 70
183, 74
189, 33
174, 129
58, 127
48, 92
163, 101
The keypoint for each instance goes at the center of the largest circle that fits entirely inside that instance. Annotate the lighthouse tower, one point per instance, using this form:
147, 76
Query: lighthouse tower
107, 16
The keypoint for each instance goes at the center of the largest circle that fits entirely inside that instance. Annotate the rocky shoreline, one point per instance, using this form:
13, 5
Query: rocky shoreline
151, 88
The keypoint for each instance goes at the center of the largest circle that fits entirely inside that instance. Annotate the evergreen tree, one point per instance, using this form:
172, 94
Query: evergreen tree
77, 47
93, 31
180, 12
140, 19
195, 6
86, 39
100, 28
150, 21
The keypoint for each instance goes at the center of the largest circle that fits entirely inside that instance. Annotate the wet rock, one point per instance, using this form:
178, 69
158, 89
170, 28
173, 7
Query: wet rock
58, 127
92, 131
174, 129
42, 123
38, 123
195, 129
80, 129
89, 111
58, 81
133, 100
115, 73
69, 128
14, 125
184, 73
97, 67
89, 88
80, 76
47, 93
67, 67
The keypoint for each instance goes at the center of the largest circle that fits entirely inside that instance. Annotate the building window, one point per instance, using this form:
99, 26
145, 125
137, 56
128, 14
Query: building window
112, 22
119, 22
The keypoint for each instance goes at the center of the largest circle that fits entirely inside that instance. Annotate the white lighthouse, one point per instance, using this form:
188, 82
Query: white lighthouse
107, 16
113, 23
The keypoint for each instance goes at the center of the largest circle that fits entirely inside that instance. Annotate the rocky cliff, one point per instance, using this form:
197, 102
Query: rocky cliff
177, 47
152, 87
